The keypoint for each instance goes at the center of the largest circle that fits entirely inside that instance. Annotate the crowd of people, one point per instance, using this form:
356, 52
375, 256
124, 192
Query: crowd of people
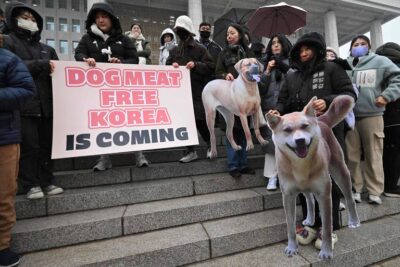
293, 74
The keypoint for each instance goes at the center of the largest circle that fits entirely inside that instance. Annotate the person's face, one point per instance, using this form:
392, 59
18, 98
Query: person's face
360, 42
306, 53
27, 16
103, 21
232, 35
205, 28
276, 46
136, 29
330, 56
167, 38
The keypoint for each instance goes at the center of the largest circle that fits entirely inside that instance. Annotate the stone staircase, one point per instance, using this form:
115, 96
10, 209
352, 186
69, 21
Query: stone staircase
172, 214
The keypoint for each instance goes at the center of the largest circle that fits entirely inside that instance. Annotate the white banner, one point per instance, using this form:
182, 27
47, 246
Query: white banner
115, 108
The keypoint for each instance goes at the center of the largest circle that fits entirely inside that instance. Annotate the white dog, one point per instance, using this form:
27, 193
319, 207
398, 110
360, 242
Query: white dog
239, 97
307, 154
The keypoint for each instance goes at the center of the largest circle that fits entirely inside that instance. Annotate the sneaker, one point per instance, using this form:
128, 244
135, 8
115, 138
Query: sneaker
318, 242
190, 156
103, 163
141, 160
305, 235
357, 197
342, 206
235, 173
247, 170
393, 192
272, 183
9, 258
208, 155
374, 200
53, 190
35, 193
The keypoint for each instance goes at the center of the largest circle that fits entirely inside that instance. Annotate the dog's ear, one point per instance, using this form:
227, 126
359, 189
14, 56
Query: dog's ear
272, 120
238, 66
308, 109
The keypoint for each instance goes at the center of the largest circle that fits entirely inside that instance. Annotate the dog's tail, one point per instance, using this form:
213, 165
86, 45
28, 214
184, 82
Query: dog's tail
337, 111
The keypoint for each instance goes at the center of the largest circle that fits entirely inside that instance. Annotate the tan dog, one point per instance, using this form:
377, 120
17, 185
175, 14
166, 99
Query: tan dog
307, 153
239, 97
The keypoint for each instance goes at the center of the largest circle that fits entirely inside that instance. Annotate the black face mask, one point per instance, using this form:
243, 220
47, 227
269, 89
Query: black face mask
182, 34
205, 34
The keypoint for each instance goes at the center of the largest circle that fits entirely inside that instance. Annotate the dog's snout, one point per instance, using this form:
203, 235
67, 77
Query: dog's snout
254, 69
300, 141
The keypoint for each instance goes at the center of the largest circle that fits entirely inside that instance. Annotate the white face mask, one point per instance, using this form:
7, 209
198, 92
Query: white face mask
27, 24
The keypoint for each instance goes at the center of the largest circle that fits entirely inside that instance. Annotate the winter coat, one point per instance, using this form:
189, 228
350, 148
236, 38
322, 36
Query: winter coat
188, 51
318, 77
212, 47
165, 48
16, 88
94, 41
227, 59
368, 74
391, 117
36, 57
143, 48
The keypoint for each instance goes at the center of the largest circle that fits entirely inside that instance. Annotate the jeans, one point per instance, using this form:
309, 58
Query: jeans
237, 160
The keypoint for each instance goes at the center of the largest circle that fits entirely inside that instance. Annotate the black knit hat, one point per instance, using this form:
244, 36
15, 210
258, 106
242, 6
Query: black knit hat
361, 36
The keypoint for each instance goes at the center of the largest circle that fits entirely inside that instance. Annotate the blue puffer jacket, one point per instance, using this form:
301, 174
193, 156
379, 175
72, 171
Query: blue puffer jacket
16, 88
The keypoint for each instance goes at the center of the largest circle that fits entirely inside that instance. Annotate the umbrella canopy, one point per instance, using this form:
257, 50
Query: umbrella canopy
234, 15
279, 18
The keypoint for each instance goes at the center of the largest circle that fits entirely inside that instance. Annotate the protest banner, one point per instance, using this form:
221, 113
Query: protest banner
114, 108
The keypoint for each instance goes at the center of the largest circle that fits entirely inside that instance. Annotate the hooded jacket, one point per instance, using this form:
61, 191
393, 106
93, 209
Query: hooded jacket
317, 77
16, 88
165, 48
36, 57
368, 75
92, 43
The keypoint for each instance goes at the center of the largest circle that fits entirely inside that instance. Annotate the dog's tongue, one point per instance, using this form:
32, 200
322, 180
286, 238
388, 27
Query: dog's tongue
256, 77
301, 151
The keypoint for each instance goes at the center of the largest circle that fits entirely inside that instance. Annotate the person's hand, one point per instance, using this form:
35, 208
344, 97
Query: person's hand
273, 112
175, 65
319, 105
52, 67
271, 64
114, 60
229, 77
380, 101
90, 61
190, 65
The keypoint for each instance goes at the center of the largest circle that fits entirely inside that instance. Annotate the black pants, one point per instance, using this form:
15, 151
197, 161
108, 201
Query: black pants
36, 166
336, 194
202, 128
391, 157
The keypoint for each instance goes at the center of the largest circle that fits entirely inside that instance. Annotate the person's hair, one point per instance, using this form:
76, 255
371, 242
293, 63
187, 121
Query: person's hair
204, 24
138, 24
242, 40
361, 36
285, 44
257, 49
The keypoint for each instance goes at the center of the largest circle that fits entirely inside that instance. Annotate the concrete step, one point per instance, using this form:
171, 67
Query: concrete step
86, 178
79, 227
137, 192
373, 242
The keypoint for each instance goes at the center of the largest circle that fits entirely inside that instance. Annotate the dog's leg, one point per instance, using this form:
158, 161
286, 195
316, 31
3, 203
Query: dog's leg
342, 177
325, 203
289, 203
310, 220
210, 119
256, 124
245, 125
230, 121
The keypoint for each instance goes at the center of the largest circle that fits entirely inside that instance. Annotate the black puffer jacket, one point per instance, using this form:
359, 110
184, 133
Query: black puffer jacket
317, 77
36, 56
92, 43
188, 51
16, 88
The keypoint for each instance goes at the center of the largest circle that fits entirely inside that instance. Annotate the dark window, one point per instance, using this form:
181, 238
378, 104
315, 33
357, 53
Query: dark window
49, 4
63, 47
63, 25
49, 23
62, 4
75, 5
76, 25
51, 42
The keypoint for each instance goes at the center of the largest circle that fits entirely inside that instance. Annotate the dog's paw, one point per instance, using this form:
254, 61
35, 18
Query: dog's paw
308, 222
354, 224
249, 146
324, 255
291, 250
263, 142
237, 148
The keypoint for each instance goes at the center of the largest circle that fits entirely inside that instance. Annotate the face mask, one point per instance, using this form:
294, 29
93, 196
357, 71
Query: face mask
359, 51
27, 24
205, 34
182, 34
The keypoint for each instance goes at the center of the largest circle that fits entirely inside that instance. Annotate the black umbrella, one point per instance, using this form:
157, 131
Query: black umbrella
234, 15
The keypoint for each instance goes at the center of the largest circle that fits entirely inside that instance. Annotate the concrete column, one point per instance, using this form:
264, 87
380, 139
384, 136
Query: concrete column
376, 34
91, 2
195, 12
331, 34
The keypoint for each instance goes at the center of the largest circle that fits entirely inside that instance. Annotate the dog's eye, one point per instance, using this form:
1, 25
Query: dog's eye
287, 130
304, 126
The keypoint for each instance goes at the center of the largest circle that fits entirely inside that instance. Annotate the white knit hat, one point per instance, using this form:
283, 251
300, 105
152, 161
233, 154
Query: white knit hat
186, 23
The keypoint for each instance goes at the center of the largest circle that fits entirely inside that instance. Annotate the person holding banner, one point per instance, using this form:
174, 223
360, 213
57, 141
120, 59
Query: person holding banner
104, 42
36, 166
195, 57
